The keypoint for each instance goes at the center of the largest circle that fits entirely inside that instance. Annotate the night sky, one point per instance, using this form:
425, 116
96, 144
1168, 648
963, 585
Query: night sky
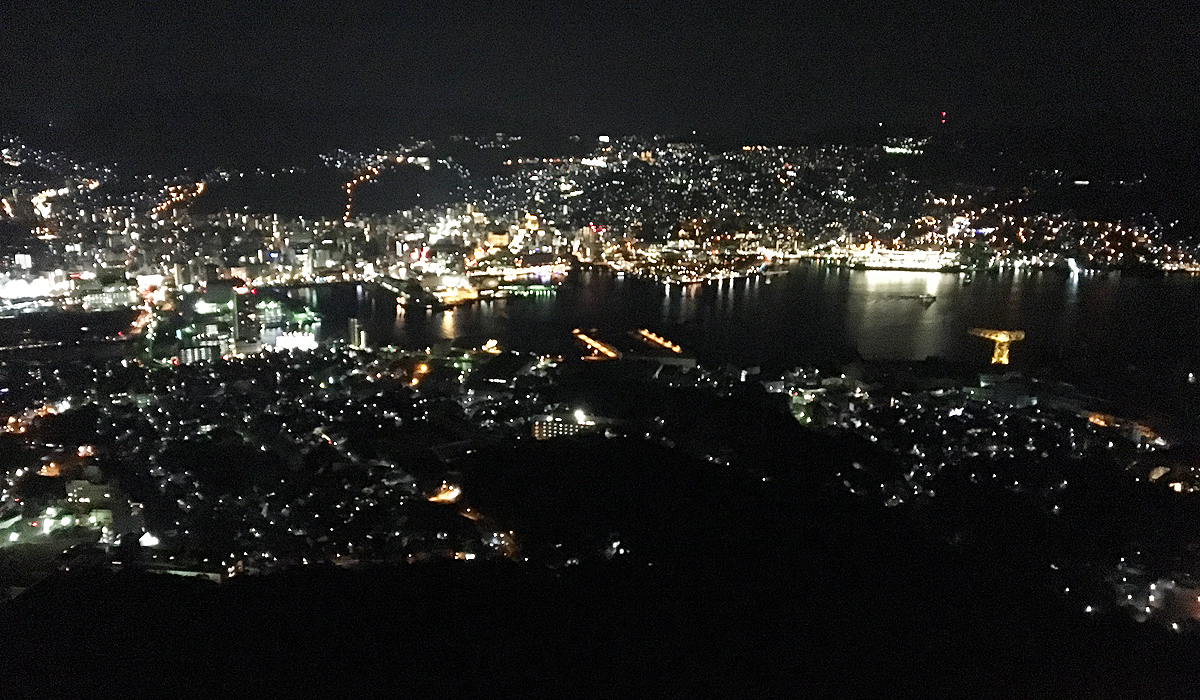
223, 82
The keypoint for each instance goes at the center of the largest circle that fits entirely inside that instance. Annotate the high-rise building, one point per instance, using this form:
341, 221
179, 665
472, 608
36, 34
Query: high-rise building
358, 334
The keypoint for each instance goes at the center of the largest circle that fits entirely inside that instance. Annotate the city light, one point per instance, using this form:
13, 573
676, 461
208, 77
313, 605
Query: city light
419, 373
177, 196
367, 175
691, 234
446, 493
296, 340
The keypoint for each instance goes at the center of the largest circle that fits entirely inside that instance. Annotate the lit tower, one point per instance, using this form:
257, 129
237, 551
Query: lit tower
1002, 339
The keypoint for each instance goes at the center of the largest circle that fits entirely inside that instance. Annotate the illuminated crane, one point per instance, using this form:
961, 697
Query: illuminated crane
1002, 339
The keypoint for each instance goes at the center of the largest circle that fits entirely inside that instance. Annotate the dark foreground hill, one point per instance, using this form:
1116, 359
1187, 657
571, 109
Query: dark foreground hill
851, 613
659, 568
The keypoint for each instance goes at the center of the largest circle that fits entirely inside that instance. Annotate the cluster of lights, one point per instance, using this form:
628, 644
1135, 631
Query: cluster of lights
177, 196
888, 258
296, 340
367, 175
19, 424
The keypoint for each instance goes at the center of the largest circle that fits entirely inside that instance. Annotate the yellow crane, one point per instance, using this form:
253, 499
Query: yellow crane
1002, 339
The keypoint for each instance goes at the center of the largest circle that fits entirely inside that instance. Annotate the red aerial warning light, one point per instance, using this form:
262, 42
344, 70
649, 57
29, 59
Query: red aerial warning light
943, 117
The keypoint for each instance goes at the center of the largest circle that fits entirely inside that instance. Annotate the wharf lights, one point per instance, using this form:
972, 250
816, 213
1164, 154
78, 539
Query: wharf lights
599, 350
655, 339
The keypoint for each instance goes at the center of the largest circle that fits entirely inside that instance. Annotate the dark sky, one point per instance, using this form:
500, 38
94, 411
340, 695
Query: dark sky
204, 81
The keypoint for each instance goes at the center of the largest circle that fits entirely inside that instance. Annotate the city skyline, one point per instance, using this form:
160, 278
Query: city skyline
635, 349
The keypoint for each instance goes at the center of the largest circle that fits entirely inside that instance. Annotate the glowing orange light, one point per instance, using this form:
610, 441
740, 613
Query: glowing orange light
446, 493
598, 348
658, 340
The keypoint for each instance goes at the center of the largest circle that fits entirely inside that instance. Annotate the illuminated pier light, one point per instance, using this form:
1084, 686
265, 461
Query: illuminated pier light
655, 339
600, 351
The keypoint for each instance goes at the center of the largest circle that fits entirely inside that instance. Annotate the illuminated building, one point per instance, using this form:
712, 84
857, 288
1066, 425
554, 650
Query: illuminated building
358, 334
547, 427
886, 259
239, 320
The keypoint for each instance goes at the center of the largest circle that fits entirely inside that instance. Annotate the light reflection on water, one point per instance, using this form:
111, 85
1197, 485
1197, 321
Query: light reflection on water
817, 309
1125, 332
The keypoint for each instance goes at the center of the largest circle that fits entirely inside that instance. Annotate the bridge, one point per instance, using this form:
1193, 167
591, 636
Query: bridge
1002, 339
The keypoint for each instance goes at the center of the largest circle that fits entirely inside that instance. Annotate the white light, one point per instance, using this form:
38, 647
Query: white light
12, 537
148, 540
296, 341
580, 416
204, 307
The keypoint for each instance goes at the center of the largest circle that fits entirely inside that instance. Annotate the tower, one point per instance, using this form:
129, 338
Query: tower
358, 335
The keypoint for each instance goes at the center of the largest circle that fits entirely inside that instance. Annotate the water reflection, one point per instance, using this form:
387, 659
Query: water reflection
902, 281
899, 314
1122, 331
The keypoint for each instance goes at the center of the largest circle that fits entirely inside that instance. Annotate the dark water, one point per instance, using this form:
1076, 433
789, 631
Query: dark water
65, 327
1130, 340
